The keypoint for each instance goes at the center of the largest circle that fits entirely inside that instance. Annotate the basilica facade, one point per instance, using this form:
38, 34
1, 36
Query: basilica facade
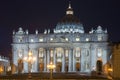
69, 48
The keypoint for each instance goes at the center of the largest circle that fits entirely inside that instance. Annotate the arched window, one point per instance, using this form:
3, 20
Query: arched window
99, 52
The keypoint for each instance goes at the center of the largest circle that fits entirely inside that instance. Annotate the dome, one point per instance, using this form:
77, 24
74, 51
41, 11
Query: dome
69, 23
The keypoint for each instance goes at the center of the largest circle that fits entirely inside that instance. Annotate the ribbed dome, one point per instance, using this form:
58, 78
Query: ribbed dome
69, 23
69, 19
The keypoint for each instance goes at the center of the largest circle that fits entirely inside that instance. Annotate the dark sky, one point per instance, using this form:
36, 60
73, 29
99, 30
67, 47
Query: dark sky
41, 14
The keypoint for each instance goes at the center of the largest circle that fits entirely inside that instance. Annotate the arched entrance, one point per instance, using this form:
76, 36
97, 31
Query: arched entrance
41, 67
77, 66
20, 65
59, 57
66, 68
99, 66
59, 67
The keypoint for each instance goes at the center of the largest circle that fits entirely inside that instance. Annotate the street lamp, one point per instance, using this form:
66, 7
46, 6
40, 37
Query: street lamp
30, 59
51, 66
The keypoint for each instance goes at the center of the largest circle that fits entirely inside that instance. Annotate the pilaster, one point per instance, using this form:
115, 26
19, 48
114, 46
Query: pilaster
48, 58
74, 62
54, 55
70, 60
63, 62
45, 60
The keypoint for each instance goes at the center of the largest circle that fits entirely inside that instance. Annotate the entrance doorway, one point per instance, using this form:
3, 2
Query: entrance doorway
99, 66
59, 67
20, 66
66, 68
41, 67
77, 66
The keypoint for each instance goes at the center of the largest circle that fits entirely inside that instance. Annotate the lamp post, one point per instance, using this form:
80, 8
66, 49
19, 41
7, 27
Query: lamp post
30, 59
51, 66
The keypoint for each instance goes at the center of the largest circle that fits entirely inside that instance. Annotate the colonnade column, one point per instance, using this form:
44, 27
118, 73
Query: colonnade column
48, 58
54, 57
74, 61
45, 66
93, 60
63, 62
35, 67
70, 60
82, 59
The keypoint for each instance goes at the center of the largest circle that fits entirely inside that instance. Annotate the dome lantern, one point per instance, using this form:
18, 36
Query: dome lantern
69, 10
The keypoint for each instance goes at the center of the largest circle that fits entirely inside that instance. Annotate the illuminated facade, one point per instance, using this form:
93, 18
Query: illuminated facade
68, 47
4, 65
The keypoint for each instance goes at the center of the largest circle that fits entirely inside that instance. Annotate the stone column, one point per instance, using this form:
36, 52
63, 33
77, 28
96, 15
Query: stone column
45, 60
48, 58
35, 64
88, 60
15, 57
104, 55
70, 61
25, 66
63, 62
93, 57
54, 57
82, 59
74, 62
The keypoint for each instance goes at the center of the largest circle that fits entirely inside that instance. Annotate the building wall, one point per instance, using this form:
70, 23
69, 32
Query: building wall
72, 48
4, 64
116, 61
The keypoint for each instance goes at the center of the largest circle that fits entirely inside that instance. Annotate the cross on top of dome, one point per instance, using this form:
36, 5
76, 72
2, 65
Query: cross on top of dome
69, 10
69, 7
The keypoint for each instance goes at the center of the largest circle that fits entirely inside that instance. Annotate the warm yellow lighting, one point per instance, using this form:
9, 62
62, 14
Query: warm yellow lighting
110, 69
25, 58
51, 66
30, 59
34, 58
1, 69
30, 53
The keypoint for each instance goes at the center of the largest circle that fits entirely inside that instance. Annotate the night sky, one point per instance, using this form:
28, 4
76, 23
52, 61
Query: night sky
45, 14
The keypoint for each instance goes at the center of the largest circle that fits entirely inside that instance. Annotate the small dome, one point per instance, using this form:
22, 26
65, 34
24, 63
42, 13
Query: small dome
69, 23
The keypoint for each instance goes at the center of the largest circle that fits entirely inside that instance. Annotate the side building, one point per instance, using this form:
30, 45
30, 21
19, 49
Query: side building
116, 61
4, 65
68, 47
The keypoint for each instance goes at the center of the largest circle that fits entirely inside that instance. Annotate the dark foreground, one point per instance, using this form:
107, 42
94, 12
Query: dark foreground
56, 76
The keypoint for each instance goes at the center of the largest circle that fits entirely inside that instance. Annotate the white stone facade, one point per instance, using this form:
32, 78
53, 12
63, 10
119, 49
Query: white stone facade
69, 48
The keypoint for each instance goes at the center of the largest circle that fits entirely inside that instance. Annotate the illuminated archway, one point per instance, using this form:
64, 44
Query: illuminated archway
20, 65
58, 67
77, 66
99, 66
41, 63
